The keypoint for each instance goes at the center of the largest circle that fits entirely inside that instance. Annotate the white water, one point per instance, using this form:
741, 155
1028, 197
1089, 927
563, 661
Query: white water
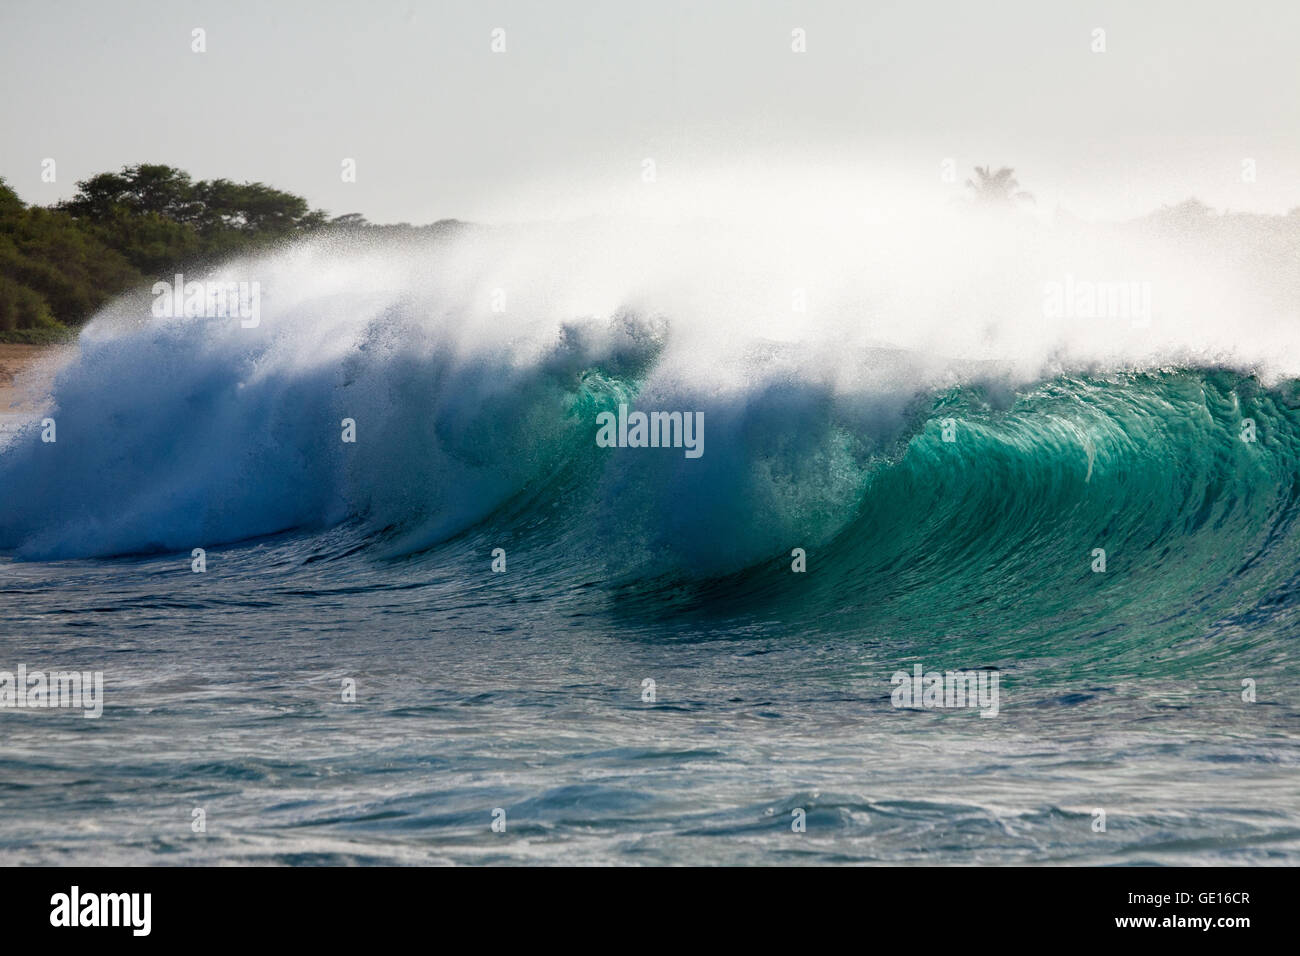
173, 431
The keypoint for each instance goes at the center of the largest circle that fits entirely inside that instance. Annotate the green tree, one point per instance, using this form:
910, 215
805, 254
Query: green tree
52, 270
160, 219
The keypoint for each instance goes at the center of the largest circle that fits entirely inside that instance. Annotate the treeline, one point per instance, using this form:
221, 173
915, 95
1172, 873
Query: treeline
59, 265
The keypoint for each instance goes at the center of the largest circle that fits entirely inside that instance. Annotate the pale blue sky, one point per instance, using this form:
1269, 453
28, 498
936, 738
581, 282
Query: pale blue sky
440, 126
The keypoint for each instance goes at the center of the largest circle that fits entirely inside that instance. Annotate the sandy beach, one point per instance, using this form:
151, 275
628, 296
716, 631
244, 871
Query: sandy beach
24, 376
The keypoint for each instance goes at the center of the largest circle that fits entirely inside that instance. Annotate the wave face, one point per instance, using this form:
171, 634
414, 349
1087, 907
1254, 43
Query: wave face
928, 489
1128, 511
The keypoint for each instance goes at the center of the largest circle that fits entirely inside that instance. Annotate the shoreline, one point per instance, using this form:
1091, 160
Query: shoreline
25, 376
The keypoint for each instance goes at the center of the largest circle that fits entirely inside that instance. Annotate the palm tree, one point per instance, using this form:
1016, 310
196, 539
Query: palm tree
997, 189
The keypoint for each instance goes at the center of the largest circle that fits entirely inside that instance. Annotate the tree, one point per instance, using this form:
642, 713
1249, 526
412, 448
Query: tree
141, 190
52, 269
350, 220
252, 208
160, 219
997, 189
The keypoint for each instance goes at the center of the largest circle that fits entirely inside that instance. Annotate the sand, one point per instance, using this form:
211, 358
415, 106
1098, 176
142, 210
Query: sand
25, 375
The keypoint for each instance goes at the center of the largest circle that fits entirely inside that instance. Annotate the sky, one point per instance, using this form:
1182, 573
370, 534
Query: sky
561, 123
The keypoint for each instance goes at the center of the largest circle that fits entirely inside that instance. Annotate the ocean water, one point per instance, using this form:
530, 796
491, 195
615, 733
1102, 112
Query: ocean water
949, 484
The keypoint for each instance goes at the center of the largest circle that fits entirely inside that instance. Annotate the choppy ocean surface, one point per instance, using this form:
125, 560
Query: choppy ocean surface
949, 519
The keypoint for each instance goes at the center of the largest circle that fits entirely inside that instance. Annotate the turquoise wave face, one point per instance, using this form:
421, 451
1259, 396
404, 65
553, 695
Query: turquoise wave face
1138, 524
1145, 519
1147, 516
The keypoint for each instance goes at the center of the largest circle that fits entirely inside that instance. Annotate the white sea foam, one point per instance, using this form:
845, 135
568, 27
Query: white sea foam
458, 359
